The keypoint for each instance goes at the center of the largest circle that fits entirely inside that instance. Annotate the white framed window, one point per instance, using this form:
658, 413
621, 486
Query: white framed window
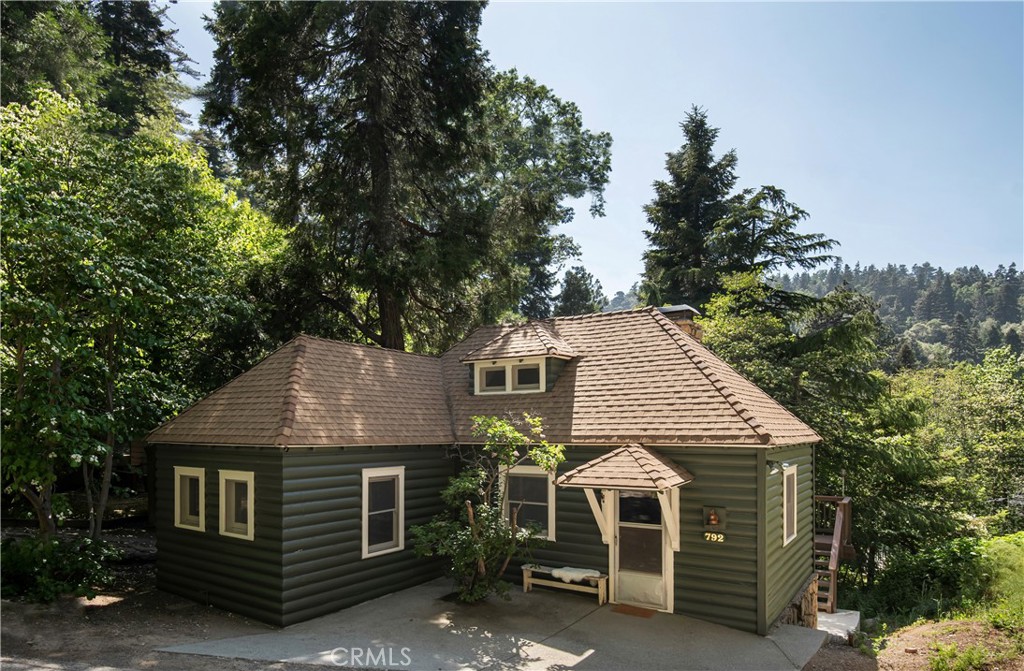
383, 510
530, 491
237, 498
510, 376
526, 377
190, 498
789, 486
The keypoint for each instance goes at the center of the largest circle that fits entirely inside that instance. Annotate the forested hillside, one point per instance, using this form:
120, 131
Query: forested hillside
938, 316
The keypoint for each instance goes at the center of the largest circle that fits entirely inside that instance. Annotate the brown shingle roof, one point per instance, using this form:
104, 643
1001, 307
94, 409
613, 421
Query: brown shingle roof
531, 339
628, 467
321, 392
637, 378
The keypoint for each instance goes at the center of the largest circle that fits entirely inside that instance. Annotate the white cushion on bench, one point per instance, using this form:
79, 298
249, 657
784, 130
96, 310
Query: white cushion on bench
570, 574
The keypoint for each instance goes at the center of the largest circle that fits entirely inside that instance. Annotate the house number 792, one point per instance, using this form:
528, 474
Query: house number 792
712, 537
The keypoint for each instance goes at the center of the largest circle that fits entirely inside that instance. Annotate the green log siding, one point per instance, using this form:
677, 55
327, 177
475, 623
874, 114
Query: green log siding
788, 568
717, 581
577, 538
323, 569
238, 575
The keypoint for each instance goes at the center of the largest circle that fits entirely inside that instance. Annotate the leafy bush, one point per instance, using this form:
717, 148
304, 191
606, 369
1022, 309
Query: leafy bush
40, 569
950, 575
476, 536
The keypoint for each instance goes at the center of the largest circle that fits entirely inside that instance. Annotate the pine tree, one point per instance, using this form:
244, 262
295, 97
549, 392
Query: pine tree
683, 215
963, 341
581, 294
354, 118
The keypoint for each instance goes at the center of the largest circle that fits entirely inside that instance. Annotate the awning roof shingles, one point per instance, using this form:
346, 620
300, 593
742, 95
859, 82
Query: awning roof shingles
632, 467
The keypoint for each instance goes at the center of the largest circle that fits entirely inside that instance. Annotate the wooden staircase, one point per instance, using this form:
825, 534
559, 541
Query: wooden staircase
832, 544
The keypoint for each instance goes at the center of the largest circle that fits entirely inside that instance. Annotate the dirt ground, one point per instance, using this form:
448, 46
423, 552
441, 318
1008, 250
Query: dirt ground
122, 627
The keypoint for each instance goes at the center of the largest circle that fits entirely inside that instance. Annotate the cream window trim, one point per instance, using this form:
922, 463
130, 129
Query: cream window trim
534, 472
181, 472
510, 366
789, 509
398, 474
227, 477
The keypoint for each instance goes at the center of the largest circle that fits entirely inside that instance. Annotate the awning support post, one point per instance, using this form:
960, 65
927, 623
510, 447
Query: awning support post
599, 514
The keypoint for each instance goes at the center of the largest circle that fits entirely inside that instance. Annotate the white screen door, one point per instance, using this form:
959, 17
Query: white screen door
640, 551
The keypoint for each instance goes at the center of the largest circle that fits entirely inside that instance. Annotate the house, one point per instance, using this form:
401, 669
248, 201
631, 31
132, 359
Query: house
288, 492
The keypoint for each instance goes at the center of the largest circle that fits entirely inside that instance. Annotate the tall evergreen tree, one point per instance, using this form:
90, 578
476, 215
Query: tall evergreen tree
145, 57
683, 215
963, 339
581, 294
355, 117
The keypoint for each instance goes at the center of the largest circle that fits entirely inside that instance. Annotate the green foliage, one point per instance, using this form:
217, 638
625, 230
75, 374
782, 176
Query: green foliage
43, 569
51, 44
949, 657
581, 294
422, 188
118, 253
933, 581
478, 536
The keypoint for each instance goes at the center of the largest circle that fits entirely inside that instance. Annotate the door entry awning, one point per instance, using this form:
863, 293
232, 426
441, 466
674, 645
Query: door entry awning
632, 467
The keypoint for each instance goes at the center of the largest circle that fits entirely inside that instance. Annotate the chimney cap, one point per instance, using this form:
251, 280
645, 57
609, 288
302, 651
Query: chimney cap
680, 310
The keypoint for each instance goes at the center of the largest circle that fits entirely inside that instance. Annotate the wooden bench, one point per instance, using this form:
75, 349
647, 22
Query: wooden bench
595, 585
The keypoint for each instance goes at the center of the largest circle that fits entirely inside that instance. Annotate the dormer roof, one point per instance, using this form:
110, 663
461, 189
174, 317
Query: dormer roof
538, 338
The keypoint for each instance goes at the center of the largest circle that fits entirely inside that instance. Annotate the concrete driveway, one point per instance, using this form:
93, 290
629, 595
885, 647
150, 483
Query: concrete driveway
545, 629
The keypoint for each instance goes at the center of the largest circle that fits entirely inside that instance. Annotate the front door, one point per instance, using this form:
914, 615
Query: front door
640, 552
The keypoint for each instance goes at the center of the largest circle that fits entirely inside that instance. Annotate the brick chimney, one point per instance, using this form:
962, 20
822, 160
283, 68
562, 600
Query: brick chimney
682, 316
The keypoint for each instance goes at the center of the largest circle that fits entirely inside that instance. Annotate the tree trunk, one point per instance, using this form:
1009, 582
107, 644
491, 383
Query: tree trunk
391, 331
42, 504
96, 523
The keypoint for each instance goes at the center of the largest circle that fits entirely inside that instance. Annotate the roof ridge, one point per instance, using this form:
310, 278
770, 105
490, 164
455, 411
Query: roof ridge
683, 341
291, 393
592, 315
370, 346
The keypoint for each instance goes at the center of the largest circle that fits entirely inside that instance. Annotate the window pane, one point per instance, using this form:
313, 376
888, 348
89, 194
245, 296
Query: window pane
790, 504
494, 378
639, 508
240, 504
381, 530
640, 549
530, 513
192, 483
382, 494
528, 377
533, 488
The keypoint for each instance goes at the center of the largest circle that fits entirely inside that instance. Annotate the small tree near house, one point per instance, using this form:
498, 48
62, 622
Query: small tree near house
475, 535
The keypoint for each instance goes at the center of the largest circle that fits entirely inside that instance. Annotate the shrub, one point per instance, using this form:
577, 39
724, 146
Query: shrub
43, 569
475, 536
950, 575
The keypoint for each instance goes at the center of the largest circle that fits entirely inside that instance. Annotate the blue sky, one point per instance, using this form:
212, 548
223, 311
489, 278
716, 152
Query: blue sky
898, 126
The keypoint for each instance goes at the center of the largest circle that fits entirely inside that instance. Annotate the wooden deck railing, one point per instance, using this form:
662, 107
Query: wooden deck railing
832, 543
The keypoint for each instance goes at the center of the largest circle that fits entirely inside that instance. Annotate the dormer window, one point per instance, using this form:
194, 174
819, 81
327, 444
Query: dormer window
526, 377
510, 376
